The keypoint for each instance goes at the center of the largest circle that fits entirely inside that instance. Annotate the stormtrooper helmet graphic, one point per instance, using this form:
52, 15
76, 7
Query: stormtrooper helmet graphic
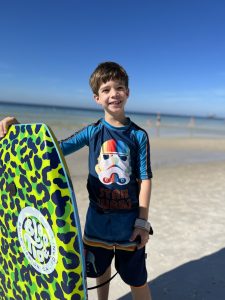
114, 163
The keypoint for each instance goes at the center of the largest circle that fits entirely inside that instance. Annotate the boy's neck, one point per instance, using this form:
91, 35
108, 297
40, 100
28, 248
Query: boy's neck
116, 121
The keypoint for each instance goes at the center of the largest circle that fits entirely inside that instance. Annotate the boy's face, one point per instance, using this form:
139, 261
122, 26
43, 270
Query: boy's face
112, 96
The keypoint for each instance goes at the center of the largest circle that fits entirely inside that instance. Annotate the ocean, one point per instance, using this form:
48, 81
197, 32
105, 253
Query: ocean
72, 119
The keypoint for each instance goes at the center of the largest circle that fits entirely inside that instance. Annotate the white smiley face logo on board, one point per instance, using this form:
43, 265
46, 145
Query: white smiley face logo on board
37, 240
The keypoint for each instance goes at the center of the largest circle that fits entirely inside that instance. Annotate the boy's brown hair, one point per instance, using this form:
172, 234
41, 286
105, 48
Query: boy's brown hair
107, 71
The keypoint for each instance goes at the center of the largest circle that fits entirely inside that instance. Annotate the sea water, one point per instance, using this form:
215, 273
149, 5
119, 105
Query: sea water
76, 118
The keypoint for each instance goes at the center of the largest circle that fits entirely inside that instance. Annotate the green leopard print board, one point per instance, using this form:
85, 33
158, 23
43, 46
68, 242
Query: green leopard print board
41, 252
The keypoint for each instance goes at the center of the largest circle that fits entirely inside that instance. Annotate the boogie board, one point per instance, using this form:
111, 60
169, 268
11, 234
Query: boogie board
41, 252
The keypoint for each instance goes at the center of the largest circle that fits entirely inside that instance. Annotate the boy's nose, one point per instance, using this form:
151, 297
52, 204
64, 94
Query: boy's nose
114, 92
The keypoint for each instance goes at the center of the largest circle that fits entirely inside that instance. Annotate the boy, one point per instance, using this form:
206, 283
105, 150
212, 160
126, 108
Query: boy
119, 185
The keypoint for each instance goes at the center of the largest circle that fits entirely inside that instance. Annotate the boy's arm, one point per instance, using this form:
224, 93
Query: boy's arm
145, 187
144, 174
5, 124
144, 203
75, 142
144, 179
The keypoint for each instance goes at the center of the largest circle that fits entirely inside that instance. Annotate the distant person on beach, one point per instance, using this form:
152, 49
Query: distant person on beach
119, 185
191, 122
158, 124
191, 125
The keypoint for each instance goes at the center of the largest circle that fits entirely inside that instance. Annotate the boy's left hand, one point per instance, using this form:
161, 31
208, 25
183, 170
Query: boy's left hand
141, 234
4, 125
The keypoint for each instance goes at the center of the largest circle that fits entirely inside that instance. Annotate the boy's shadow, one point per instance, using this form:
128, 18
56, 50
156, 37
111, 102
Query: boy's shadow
202, 279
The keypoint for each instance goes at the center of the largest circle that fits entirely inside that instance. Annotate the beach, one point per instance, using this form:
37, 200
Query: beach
186, 255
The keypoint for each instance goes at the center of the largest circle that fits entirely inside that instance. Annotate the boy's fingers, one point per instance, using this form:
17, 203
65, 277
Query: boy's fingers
5, 128
143, 243
1, 130
4, 125
133, 237
140, 246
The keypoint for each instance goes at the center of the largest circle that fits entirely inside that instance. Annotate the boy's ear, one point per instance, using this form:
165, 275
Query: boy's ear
128, 92
96, 98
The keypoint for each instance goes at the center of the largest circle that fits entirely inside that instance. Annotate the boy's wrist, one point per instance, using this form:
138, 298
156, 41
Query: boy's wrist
143, 224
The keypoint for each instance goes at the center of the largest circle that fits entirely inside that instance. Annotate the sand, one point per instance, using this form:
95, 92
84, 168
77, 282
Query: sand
186, 255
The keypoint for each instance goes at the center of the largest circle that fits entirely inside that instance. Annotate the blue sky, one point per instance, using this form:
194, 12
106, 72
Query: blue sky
173, 51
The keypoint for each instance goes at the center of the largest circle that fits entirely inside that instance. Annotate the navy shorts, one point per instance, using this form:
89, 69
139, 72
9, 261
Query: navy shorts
129, 264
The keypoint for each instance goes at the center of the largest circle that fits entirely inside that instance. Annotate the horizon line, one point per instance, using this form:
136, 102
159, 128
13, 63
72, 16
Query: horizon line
99, 110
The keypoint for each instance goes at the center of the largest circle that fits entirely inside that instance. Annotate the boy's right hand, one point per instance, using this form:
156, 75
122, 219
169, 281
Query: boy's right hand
5, 124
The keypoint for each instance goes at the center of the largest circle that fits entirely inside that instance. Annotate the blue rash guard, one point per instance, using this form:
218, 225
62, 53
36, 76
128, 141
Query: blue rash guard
118, 157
